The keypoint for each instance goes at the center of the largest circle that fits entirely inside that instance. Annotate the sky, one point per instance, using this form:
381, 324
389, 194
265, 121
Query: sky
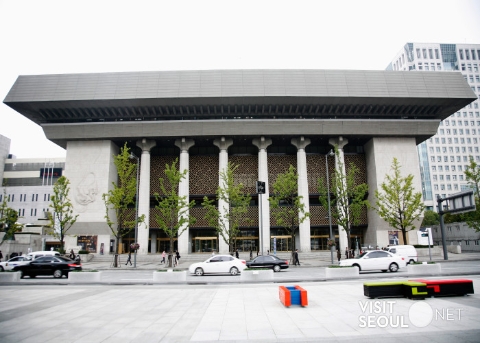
94, 36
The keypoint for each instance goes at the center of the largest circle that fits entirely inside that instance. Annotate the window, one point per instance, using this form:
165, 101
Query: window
461, 54
440, 168
418, 53
447, 168
453, 168
424, 52
454, 177
434, 178
437, 56
430, 53
441, 177
433, 169
474, 57
467, 54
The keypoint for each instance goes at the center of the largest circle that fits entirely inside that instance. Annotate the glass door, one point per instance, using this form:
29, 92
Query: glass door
205, 244
283, 243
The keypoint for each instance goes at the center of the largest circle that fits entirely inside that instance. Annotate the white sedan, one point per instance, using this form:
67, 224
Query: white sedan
376, 260
14, 261
218, 264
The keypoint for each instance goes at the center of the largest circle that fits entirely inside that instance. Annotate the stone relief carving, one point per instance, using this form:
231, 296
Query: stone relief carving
87, 190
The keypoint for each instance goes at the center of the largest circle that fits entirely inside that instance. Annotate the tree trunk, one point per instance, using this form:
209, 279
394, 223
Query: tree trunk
170, 254
404, 235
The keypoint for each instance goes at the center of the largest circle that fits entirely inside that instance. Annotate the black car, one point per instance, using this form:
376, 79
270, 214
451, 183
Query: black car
268, 261
48, 265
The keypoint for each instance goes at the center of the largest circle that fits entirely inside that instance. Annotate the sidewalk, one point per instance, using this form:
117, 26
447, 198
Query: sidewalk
152, 262
336, 312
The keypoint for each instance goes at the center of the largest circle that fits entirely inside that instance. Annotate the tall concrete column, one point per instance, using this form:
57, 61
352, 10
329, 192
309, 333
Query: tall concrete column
304, 228
264, 216
223, 144
339, 143
184, 191
144, 194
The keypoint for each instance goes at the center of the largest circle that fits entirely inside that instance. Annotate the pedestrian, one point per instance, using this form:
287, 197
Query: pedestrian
295, 258
353, 253
346, 253
251, 254
1, 256
177, 257
339, 255
258, 252
163, 257
213, 252
236, 254
72, 254
268, 252
129, 259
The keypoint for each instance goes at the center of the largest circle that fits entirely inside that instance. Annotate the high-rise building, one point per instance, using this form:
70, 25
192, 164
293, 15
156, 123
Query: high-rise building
444, 157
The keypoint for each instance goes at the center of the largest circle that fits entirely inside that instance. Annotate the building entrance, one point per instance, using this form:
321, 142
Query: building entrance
283, 243
205, 244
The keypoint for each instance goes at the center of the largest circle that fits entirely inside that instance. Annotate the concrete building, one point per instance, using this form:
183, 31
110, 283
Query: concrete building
458, 234
444, 157
262, 120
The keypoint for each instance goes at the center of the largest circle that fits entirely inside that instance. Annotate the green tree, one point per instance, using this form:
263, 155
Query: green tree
472, 175
8, 220
397, 202
430, 218
174, 218
347, 198
61, 217
287, 207
119, 200
235, 202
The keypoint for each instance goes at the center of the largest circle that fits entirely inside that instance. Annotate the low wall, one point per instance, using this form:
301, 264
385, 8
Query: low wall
340, 273
424, 269
256, 275
423, 252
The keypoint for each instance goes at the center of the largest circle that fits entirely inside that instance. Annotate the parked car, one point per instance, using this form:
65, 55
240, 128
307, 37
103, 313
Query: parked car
48, 265
407, 251
218, 264
15, 261
268, 261
376, 260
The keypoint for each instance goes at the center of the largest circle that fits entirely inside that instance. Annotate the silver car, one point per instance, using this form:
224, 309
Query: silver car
218, 264
376, 260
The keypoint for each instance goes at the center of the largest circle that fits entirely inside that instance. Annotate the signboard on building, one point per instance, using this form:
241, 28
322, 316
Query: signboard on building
88, 243
50, 172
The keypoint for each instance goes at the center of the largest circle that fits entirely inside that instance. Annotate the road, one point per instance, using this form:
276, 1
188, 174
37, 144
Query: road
292, 274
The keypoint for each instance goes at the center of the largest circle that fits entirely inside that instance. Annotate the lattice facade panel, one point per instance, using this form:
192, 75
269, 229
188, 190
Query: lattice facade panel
247, 172
279, 164
157, 171
203, 174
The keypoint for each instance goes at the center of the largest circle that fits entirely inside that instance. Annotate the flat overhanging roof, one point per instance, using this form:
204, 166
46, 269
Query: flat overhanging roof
237, 94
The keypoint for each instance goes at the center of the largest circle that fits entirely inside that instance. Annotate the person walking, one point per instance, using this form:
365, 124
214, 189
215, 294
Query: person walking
1, 256
346, 253
295, 258
129, 259
251, 254
339, 255
236, 254
72, 254
163, 257
177, 258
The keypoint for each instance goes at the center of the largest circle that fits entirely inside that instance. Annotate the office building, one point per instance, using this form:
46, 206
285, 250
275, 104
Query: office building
444, 157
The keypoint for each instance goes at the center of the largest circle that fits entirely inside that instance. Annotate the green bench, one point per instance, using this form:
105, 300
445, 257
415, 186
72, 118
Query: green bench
386, 289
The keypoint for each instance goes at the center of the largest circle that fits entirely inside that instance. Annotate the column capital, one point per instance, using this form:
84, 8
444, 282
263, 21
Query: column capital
340, 142
301, 142
184, 144
223, 143
146, 144
262, 143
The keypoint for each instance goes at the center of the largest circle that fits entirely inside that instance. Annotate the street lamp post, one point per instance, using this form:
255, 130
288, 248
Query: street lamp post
332, 239
132, 155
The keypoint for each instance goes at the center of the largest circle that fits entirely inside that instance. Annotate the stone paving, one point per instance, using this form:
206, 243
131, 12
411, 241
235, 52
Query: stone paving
337, 312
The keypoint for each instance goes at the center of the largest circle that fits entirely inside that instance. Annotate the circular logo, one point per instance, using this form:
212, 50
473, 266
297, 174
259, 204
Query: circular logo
420, 314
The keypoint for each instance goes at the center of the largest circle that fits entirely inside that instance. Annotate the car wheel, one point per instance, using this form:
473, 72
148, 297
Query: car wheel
32, 276
57, 274
233, 271
356, 265
22, 274
411, 262
199, 271
393, 267
276, 268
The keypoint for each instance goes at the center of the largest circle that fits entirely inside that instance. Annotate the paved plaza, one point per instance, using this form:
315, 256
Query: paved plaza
337, 312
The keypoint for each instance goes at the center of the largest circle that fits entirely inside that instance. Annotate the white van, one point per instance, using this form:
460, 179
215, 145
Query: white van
36, 254
407, 251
